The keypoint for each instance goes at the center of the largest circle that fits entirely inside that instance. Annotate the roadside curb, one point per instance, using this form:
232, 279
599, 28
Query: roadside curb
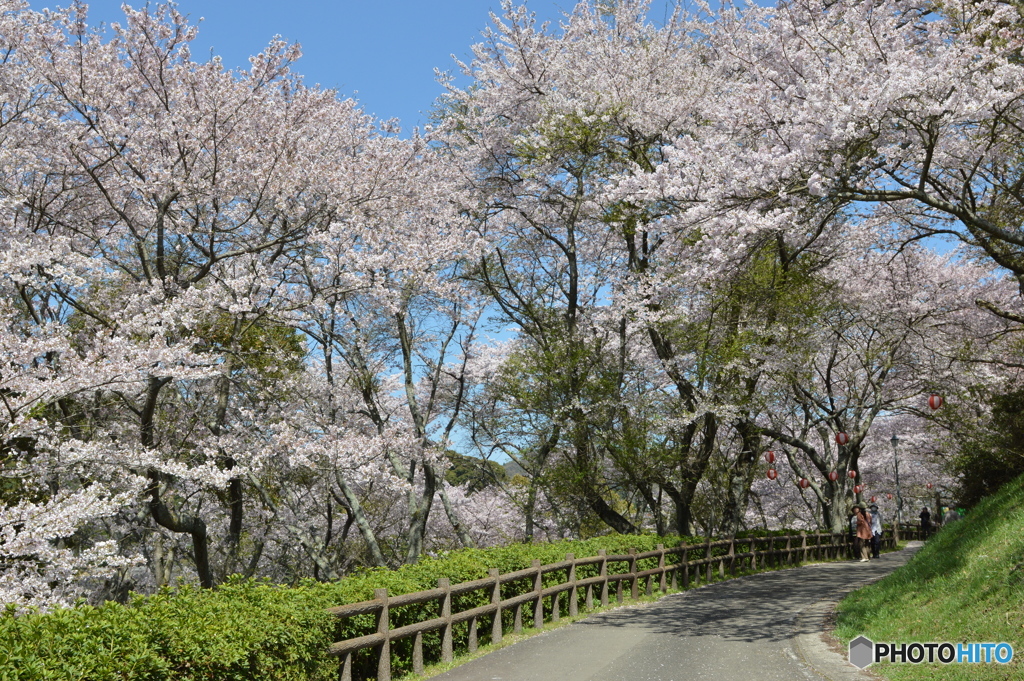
809, 637
810, 646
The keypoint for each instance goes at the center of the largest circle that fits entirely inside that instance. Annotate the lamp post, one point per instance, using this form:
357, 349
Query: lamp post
899, 498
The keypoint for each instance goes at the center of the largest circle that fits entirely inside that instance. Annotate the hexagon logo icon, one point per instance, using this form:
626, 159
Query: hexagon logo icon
862, 652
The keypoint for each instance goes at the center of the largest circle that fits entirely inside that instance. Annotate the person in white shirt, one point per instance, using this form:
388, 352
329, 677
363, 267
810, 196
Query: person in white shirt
876, 531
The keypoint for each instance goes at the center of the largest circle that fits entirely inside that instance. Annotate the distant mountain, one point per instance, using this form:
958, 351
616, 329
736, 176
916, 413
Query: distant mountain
513, 469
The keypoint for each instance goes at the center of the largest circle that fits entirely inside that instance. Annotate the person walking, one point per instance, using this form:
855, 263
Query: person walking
926, 521
876, 531
854, 540
863, 531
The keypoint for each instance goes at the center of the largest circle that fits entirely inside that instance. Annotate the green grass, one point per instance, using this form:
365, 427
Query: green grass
965, 585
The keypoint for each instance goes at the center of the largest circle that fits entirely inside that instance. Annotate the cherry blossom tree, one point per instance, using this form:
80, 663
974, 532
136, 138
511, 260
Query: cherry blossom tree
151, 219
896, 111
898, 329
551, 118
383, 301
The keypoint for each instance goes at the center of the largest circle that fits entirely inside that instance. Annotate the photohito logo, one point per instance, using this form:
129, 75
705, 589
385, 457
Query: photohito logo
865, 652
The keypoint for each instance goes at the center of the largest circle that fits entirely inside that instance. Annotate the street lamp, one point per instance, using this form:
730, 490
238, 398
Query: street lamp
899, 498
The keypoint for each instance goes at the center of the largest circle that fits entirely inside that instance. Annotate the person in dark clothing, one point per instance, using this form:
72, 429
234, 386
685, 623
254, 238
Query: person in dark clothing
926, 521
876, 531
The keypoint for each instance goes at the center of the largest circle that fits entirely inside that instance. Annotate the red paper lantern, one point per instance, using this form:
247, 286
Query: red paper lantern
842, 439
804, 483
889, 496
929, 485
852, 474
935, 401
874, 499
857, 489
769, 456
772, 474
833, 476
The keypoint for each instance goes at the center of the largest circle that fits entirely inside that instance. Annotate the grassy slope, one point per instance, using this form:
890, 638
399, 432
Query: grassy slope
966, 584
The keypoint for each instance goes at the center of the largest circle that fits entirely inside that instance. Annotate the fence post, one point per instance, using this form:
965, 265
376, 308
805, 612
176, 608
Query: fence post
446, 613
772, 558
753, 555
346, 668
604, 573
384, 628
803, 547
789, 550
538, 588
634, 590
686, 567
496, 632
417, 653
471, 642
662, 584
707, 557
574, 608
732, 556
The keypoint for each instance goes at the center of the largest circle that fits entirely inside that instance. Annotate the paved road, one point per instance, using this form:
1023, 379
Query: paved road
740, 629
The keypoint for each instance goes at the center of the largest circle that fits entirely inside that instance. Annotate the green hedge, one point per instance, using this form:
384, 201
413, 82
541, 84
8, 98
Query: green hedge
256, 630
243, 630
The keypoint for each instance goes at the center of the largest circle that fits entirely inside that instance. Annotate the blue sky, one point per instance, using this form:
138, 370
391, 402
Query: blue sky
382, 53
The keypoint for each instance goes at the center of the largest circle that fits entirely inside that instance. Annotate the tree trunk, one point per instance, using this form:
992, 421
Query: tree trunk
684, 518
740, 477
683, 515
531, 505
460, 530
362, 522
192, 525
611, 517
418, 522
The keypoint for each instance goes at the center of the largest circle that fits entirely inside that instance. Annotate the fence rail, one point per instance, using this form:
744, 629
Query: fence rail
911, 531
675, 565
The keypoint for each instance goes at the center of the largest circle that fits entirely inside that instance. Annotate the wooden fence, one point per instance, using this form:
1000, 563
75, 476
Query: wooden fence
912, 531
674, 566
